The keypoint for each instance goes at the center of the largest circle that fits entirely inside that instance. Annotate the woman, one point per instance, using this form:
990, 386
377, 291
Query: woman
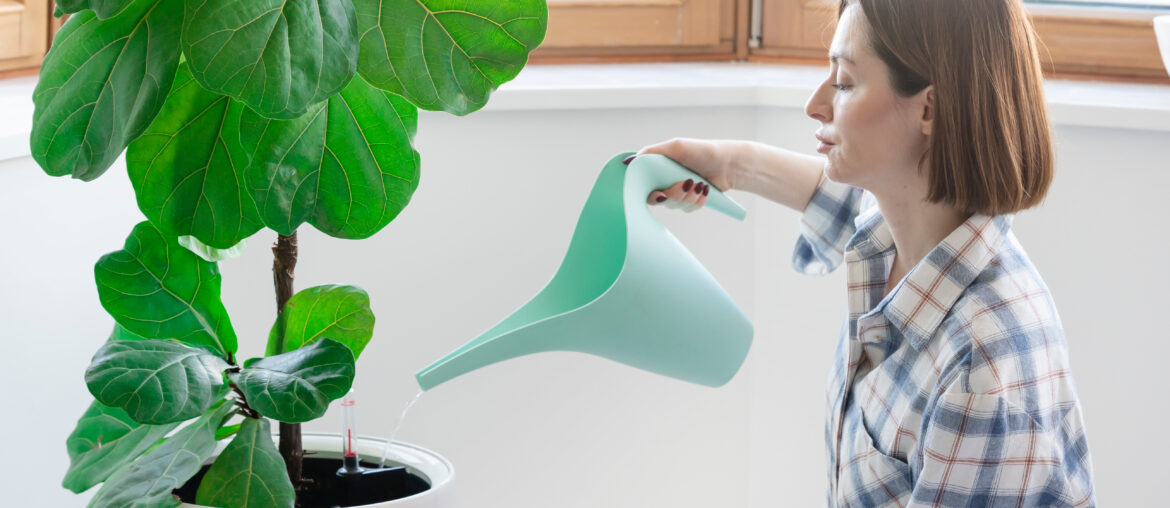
951, 384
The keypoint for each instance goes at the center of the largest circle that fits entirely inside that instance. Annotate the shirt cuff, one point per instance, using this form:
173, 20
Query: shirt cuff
826, 225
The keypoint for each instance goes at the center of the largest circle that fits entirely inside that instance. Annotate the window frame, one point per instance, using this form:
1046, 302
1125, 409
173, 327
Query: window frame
643, 30
1078, 42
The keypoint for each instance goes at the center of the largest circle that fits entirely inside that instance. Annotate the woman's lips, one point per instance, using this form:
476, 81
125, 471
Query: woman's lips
823, 146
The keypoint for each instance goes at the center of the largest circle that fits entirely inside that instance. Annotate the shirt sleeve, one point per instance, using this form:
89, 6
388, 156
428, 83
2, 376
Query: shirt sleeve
985, 450
826, 225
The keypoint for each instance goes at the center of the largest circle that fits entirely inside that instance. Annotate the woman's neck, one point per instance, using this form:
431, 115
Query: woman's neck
917, 226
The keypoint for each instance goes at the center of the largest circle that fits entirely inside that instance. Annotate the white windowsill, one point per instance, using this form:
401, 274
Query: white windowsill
664, 85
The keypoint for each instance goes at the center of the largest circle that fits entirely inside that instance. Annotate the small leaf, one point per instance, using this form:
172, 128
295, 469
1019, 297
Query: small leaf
187, 168
443, 54
156, 381
103, 8
341, 313
106, 438
249, 473
347, 166
121, 333
277, 56
209, 253
148, 481
297, 386
159, 290
102, 83
226, 432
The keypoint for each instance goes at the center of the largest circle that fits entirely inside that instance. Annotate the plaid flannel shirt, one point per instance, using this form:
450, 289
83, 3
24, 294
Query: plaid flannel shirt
954, 389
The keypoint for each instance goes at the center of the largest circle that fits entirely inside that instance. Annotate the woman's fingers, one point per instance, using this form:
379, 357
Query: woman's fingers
687, 195
691, 192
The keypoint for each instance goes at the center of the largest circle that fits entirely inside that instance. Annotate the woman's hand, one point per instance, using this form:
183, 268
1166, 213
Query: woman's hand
711, 159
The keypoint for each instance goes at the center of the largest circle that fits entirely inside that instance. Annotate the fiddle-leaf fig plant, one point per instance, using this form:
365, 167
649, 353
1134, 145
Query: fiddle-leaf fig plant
236, 116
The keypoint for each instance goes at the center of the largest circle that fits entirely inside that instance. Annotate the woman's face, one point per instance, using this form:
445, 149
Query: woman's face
872, 137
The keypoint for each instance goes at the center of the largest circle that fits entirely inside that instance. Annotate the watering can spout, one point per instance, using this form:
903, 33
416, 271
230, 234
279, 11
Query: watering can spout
627, 290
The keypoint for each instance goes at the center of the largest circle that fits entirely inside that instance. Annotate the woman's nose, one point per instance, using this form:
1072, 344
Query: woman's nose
819, 107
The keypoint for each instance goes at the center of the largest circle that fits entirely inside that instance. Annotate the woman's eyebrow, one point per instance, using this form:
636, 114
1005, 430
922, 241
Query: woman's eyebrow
834, 56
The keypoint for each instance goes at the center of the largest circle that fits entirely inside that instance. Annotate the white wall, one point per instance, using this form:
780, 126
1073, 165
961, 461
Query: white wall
499, 196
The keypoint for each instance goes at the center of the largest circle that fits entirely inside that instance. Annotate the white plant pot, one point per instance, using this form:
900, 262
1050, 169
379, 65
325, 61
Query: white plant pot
432, 467
1162, 32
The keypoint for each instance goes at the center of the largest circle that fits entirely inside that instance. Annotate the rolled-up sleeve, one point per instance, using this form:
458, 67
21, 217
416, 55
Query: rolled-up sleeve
985, 450
826, 225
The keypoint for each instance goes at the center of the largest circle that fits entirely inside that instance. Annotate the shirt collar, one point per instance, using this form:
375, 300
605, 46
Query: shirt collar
917, 306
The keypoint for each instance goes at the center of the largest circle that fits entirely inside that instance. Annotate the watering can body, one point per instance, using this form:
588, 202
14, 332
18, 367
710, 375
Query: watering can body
627, 290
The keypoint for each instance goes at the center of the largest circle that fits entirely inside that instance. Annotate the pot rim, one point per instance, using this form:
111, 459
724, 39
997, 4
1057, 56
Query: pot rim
434, 468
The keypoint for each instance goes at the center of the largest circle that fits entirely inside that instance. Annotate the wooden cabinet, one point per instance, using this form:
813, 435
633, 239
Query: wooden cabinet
584, 30
24, 33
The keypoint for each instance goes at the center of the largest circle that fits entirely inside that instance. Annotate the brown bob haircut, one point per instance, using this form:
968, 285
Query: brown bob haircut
991, 145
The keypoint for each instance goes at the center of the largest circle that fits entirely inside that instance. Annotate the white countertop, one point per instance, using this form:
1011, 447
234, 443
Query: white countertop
663, 85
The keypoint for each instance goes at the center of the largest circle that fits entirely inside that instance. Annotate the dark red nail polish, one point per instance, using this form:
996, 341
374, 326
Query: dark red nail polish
627, 160
660, 199
687, 185
706, 188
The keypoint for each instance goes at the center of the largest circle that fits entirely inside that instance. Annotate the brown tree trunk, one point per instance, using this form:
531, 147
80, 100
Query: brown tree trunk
283, 262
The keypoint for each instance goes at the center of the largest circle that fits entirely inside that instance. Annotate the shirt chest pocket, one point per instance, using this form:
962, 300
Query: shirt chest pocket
869, 477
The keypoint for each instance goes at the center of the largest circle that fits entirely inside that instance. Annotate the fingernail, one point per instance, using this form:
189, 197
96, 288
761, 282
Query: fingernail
687, 185
660, 199
627, 160
706, 188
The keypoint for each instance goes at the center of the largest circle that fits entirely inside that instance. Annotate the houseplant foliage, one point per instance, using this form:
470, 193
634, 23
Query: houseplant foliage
236, 116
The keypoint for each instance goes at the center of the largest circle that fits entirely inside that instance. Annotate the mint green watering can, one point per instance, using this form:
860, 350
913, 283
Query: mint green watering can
627, 290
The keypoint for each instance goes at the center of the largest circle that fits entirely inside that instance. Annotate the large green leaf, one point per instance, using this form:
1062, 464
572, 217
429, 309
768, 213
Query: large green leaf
277, 56
157, 289
341, 313
101, 84
156, 381
188, 167
121, 333
297, 386
148, 481
446, 54
103, 8
106, 438
250, 473
347, 166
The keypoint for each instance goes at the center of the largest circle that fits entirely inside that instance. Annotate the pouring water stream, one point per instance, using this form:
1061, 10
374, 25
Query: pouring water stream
401, 418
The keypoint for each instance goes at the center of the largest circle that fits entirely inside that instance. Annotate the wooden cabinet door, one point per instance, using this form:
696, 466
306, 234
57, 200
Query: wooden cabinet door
24, 29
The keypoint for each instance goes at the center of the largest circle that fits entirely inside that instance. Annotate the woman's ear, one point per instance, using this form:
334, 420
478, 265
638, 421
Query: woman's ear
926, 101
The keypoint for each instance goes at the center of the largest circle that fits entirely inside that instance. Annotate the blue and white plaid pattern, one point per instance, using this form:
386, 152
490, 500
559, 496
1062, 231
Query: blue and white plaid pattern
955, 389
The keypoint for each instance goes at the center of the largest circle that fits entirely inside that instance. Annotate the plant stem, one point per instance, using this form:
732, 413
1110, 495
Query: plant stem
284, 260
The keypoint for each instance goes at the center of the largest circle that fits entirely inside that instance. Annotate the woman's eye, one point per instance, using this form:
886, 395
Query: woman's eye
842, 87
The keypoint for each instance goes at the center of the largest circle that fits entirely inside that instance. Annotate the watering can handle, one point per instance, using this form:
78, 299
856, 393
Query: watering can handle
662, 171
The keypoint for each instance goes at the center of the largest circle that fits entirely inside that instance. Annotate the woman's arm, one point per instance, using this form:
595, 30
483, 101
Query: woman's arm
777, 174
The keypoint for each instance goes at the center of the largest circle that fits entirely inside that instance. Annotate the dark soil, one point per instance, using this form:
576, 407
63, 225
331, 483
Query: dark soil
327, 490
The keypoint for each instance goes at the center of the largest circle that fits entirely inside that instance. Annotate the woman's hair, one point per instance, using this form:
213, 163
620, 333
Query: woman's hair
991, 145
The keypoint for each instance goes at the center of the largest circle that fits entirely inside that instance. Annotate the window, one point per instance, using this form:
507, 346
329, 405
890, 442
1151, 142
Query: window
582, 30
1102, 39
1108, 3
1111, 39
